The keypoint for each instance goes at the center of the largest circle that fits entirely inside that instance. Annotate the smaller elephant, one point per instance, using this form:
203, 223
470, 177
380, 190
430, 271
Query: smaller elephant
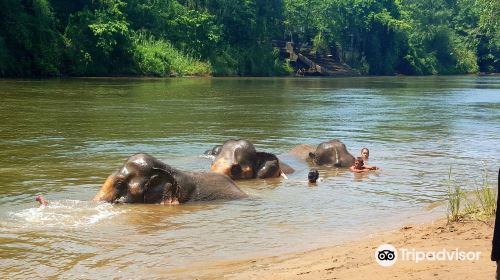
145, 179
333, 153
238, 159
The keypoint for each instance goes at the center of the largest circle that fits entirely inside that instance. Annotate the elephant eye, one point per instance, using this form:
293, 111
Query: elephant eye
120, 185
235, 169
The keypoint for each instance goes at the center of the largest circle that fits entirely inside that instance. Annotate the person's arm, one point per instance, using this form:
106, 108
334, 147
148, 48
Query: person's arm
42, 200
353, 169
371, 167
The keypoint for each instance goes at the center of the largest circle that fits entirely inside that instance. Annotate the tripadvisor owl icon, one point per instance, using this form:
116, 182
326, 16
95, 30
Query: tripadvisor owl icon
386, 255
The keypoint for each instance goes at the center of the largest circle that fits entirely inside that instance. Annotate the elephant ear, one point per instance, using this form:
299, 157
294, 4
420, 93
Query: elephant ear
267, 165
171, 188
312, 156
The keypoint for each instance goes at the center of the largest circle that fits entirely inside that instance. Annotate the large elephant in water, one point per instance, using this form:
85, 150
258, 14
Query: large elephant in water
145, 179
239, 160
332, 153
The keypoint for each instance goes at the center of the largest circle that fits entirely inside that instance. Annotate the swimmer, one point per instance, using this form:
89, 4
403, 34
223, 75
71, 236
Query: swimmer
42, 200
365, 153
359, 166
313, 176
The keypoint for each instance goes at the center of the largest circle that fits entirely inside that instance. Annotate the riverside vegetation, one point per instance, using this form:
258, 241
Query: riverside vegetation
479, 204
42, 38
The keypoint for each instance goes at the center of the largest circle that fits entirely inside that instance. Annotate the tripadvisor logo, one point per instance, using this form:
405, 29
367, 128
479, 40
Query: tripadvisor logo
386, 255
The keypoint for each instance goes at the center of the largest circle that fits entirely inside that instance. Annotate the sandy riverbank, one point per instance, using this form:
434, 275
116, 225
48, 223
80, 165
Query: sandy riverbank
355, 260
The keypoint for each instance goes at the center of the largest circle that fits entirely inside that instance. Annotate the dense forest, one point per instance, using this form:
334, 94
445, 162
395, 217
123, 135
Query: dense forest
43, 38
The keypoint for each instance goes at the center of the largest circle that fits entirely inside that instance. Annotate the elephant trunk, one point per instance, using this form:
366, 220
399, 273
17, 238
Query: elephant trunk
233, 170
108, 191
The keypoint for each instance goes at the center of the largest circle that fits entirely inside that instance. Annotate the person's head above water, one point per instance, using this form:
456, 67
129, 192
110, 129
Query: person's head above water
365, 153
313, 176
359, 163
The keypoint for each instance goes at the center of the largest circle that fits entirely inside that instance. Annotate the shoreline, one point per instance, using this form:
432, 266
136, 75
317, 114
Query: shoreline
479, 74
356, 260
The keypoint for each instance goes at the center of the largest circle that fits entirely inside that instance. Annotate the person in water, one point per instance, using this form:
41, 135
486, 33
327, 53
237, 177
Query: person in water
42, 200
359, 166
365, 153
313, 176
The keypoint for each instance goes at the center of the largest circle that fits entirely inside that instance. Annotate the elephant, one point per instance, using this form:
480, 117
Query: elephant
145, 179
238, 159
333, 153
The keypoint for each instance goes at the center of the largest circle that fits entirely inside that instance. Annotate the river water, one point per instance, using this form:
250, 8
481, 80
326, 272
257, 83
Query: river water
61, 138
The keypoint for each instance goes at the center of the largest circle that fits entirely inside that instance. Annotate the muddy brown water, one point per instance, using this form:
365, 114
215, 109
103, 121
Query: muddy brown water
61, 138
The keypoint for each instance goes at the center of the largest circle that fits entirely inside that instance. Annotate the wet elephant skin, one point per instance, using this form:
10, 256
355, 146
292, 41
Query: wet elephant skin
145, 179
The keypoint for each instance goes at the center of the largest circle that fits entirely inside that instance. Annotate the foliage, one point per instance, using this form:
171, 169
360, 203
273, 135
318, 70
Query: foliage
256, 61
488, 35
157, 57
485, 203
190, 30
98, 40
455, 197
41, 38
29, 43
435, 47
480, 204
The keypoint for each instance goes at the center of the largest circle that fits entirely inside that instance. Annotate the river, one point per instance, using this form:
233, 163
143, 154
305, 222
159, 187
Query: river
61, 138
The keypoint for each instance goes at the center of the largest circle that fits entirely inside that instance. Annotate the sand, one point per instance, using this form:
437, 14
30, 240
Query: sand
356, 260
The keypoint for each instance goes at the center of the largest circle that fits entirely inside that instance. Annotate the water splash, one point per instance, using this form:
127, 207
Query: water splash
211, 157
64, 214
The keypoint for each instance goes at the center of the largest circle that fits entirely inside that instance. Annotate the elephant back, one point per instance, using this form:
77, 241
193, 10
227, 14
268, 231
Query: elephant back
214, 186
334, 153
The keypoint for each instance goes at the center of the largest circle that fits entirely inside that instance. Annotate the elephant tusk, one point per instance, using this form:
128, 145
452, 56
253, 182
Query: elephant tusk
283, 175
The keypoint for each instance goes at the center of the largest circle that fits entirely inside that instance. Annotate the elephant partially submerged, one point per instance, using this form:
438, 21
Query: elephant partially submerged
145, 179
239, 160
332, 153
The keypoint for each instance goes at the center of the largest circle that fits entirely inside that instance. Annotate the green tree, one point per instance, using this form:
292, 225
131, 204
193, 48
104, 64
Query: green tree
29, 42
434, 46
98, 40
488, 35
192, 31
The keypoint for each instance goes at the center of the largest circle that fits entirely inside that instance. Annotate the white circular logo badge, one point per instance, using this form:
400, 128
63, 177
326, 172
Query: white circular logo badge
386, 255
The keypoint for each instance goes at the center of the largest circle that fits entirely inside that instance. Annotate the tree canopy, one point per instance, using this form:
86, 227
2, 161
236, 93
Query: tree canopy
42, 38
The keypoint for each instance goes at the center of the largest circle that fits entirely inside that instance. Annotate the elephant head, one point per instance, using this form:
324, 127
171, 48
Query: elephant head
142, 179
238, 159
333, 153
267, 166
145, 179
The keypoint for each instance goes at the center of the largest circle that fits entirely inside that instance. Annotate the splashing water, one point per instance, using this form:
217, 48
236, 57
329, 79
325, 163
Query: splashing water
65, 214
